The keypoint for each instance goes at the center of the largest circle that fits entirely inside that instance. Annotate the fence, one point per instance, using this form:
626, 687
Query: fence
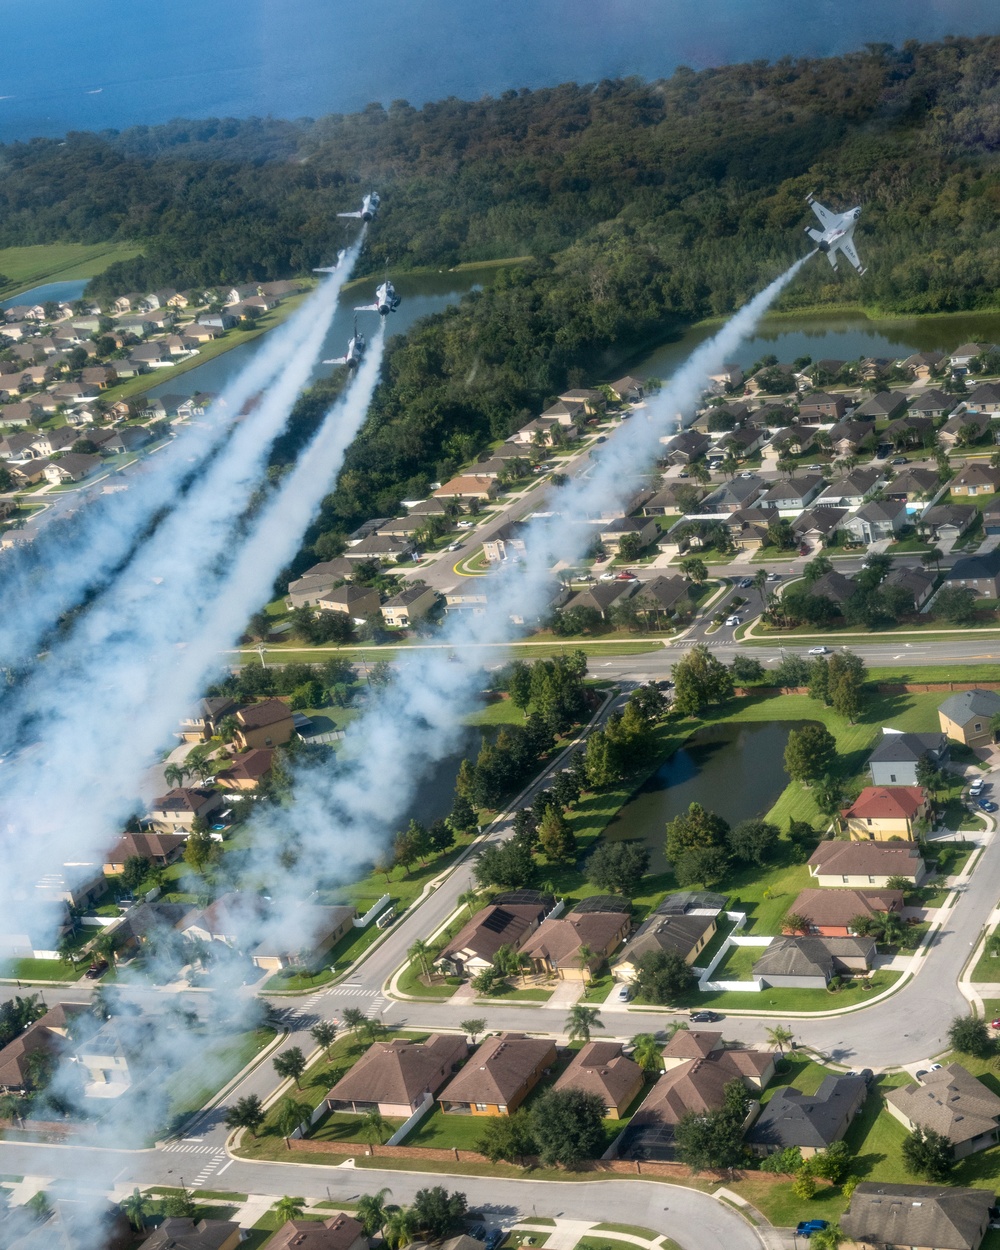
707, 985
376, 907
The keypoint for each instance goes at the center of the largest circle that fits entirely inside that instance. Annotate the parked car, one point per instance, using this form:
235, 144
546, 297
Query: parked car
704, 1017
806, 1228
601, 438
899, 460
495, 1238
995, 1024
465, 525
96, 968
977, 787
684, 474
747, 474
734, 620
987, 805
622, 994
774, 577
819, 650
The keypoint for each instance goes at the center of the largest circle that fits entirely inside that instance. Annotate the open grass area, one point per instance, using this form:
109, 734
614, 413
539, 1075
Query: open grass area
987, 969
212, 1068
58, 262
772, 1001
738, 963
603, 1243
447, 1131
43, 969
635, 1230
410, 982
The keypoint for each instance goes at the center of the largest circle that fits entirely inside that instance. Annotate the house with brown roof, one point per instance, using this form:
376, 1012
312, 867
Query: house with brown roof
684, 935
600, 1068
830, 913
473, 948
247, 770
847, 436
17, 1057
181, 1233
823, 407
628, 390
468, 486
176, 811
498, 1077
975, 478
557, 946
884, 812
357, 602
397, 1076
952, 1102
861, 864
891, 1216
159, 848
339, 1232
265, 724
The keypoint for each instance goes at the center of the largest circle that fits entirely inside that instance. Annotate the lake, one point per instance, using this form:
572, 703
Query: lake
736, 771
69, 66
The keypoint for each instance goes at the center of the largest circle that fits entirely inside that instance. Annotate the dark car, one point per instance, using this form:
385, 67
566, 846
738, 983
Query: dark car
495, 1239
806, 1228
705, 1017
899, 460
987, 805
96, 968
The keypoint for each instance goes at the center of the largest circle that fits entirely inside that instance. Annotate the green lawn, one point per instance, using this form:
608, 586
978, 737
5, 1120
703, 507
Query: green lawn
341, 1126
447, 1131
738, 963
44, 970
772, 1001
57, 262
410, 983
189, 1089
987, 969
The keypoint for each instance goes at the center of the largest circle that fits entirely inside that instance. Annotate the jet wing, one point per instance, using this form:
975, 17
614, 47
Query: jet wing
358, 214
847, 247
826, 219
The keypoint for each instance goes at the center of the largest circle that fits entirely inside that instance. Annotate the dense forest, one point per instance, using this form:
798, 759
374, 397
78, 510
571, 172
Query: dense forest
637, 207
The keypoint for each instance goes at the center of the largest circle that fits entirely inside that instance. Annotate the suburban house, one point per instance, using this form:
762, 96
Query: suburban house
232, 919
734, 495
835, 586
952, 1102
472, 949
754, 1068
829, 913
812, 962
181, 1233
684, 447
921, 364
810, 1121
557, 946
628, 390
382, 548
265, 724
892, 1216
816, 525
947, 522
914, 484
397, 1076
861, 864
104, 1059
668, 595
593, 401
612, 532
847, 436
501, 1073
884, 405
600, 1068
356, 602
321, 927
980, 573
307, 590
72, 466
823, 407
684, 935
468, 486
932, 403
601, 597
159, 848
794, 439
749, 527
919, 583
411, 604
17, 1058
967, 716
505, 543
666, 499
203, 723
883, 812
247, 770
964, 428
975, 478
878, 519
743, 442
910, 431
338, 1232
796, 493
985, 398
852, 490
896, 756
177, 810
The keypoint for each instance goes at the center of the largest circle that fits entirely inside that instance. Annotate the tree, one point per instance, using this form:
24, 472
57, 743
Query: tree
753, 840
804, 1185
663, 977
507, 1137
287, 1208
468, 899
694, 569
290, 1065
555, 836
354, 1018
518, 682
928, 1153
933, 556
780, 1035
832, 1163
372, 1211
845, 695
695, 829
957, 604
324, 1034
699, 680
134, 1208
289, 1115
246, 1112
371, 1030
783, 1162
618, 867
135, 871
463, 817
474, 1027
200, 851
400, 1228
714, 1139
437, 1213
701, 865
567, 1126
175, 774
373, 1127
580, 1021
419, 952
745, 669
816, 568
629, 547
648, 1053
794, 922
971, 1036
831, 1237
506, 867
809, 753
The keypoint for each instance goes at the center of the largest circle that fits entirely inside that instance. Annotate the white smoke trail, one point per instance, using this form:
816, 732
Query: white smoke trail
73, 556
344, 816
107, 697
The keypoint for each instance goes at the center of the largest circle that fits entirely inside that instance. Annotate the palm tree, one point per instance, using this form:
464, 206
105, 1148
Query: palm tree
399, 1228
781, 1036
372, 1030
289, 1209
324, 1034
583, 957
469, 899
419, 952
372, 1128
355, 1019
174, 775
106, 945
290, 1114
760, 581
647, 1053
932, 557
581, 1020
373, 1212
134, 1208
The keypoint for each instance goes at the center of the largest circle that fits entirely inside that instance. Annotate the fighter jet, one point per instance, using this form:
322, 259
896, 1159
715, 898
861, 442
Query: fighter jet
386, 300
369, 208
837, 234
355, 350
333, 268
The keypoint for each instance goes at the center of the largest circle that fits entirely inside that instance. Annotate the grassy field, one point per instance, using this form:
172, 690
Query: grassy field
447, 1131
191, 1087
44, 970
58, 262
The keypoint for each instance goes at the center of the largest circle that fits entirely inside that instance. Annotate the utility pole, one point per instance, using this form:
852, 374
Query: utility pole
261, 651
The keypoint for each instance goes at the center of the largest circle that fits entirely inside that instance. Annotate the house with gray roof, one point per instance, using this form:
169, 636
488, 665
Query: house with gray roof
917, 582
812, 962
952, 1102
835, 586
964, 428
852, 490
948, 521
810, 1121
878, 519
685, 447
795, 493
967, 716
890, 1216
734, 495
896, 756
885, 404
686, 935
980, 572
932, 403
913, 484
816, 524
985, 398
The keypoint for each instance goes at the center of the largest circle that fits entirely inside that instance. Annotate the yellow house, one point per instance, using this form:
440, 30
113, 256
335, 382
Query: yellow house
881, 813
967, 716
500, 1075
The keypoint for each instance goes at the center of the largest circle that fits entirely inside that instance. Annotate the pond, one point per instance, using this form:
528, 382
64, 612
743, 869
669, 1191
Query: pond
736, 771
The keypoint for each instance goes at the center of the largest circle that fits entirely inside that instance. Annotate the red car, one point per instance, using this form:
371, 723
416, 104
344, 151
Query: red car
995, 1024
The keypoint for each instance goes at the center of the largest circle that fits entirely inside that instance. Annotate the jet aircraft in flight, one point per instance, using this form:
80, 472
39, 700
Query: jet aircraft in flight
837, 234
355, 350
369, 208
386, 300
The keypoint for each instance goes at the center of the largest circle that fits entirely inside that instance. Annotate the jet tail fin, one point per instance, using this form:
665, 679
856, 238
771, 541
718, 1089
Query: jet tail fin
349, 215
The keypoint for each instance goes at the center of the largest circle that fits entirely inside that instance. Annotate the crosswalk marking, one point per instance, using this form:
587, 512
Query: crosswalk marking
358, 990
182, 1148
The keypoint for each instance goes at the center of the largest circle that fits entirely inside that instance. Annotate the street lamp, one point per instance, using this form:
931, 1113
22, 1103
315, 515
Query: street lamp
261, 651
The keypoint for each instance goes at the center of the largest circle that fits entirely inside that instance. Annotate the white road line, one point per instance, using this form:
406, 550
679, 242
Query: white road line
228, 1165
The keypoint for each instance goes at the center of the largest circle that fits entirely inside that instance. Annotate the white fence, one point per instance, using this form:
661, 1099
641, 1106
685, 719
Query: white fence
376, 907
418, 1115
705, 982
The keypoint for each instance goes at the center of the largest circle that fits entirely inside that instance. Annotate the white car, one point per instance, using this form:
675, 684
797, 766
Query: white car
977, 787
622, 994
819, 651
465, 525
734, 620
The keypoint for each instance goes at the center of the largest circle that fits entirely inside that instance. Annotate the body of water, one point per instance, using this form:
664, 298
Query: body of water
736, 771
67, 66
70, 290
